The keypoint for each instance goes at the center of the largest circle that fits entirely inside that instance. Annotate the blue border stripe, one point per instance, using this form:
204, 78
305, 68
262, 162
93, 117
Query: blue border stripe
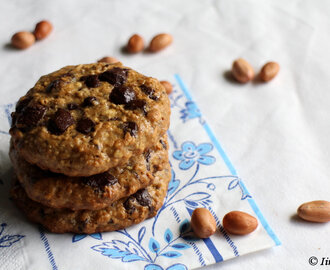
230, 166
47, 248
208, 242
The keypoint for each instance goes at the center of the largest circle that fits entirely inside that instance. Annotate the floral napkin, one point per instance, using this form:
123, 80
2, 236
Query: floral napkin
202, 176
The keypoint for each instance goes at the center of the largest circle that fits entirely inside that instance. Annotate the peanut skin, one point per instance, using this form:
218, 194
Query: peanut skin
203, 223
160, 42
269, 71
315, 211
135, 44
242, 71
108, 59
240, 223
43, 29
22, 40
168, 86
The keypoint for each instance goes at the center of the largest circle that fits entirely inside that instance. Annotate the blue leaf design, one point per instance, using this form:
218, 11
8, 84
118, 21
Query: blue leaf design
125, 256
153, 245
171, 254
153, 266
233, 184
190, 237
191, 204
78, 237
184, 226
180, 246
168, 236
96, 236
117, 249
141, 234
8, 240
197, 196
177, 266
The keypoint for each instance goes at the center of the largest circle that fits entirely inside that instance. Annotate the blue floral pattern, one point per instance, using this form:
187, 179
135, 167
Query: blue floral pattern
7, 240
132, 250
190, 111
191, 153
166, 241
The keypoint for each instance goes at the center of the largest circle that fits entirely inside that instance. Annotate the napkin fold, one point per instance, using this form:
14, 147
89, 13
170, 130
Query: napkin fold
202, 176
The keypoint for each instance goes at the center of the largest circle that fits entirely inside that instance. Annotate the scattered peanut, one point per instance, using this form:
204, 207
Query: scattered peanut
203, 223
135, 44
168, 86
242, 71
22, 40
108, 59
269, 71
315, 211
160, 42
42, 29
241, 223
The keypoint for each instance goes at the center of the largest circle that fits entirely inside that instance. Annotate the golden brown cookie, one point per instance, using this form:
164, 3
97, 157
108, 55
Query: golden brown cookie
82, 120
121, 214
92, 192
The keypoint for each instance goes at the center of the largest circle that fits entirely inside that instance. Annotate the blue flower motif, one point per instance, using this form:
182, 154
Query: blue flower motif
191, 111
190, 154
78, 237
8, 240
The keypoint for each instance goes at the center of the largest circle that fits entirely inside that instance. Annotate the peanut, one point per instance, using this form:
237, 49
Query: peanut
108, 59
160, 42
135, 44
315, 211
269, 71
168, 86
42, 29
22, 40
240, 223
203, 223
242, 71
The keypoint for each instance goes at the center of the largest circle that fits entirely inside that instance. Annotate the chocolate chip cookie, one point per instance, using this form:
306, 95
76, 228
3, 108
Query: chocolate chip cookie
83, 120
120, 214
93, 192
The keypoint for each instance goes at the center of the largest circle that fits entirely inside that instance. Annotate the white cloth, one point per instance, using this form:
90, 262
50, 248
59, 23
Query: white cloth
275, 134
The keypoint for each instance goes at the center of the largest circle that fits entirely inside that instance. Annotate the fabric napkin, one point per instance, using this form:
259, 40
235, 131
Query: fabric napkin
202, 176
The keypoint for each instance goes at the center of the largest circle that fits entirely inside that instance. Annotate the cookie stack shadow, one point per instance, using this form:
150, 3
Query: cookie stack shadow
89, 149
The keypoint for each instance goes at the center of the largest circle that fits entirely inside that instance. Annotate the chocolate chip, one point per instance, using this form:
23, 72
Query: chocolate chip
129, 205
54, 85
30, 116
22, 103
143, 197
131, 128
91, 81
137, 104
72, 106
147, 156
100, 181
116, 76
122, 95
149, 92
90, 101
85, 125
163, 144
60, 122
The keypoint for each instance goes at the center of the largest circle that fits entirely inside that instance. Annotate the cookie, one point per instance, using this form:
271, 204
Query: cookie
93, 192
83, 120
121, 214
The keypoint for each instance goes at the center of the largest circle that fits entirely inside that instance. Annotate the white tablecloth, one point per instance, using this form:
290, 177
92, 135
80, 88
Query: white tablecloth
275, 134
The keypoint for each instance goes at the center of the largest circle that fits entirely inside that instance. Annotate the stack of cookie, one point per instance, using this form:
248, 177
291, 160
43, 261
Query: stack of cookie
89, 149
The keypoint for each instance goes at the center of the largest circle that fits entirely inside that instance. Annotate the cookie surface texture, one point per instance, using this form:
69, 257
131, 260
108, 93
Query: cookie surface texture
121, 214
93, 192
83, 120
